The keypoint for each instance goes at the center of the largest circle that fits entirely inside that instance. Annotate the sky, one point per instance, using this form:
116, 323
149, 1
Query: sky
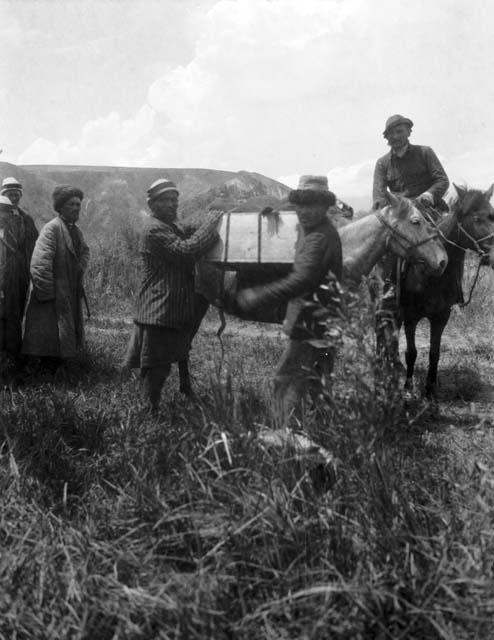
280, 87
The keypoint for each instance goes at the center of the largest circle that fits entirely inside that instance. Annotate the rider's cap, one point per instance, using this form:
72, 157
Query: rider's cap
394, 121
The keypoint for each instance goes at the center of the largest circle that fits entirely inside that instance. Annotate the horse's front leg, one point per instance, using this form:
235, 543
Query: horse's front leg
411, 352
438, 324
201, 305
184, 378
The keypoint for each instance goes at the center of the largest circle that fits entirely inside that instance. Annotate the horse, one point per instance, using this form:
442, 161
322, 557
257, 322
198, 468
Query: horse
469, 225
398, 227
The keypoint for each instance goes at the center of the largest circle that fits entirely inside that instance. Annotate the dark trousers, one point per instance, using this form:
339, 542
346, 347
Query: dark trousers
301, 372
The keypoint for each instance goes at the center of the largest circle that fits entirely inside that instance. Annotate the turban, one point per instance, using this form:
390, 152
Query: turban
64, 193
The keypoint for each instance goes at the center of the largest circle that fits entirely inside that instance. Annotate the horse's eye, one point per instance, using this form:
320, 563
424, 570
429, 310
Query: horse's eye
491, 217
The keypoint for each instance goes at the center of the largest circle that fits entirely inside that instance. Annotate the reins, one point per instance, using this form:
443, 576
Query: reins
464, 304
476, 243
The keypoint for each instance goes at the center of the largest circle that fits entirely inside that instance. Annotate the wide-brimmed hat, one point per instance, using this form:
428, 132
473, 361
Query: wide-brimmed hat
160, 186
394, 121
312, 190
63, 194
10, 184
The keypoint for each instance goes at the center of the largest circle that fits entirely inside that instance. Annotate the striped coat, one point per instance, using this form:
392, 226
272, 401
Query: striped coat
166, 293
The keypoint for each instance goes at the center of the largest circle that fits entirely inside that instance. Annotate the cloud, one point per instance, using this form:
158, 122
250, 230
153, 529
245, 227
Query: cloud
352, 181
258, 65
108, 140
473, 168
285, 87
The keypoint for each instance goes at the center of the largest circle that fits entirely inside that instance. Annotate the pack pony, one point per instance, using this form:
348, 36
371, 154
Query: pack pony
469, 225
398, 227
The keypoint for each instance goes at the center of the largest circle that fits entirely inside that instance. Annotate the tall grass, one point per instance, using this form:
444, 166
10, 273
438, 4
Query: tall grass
113, 273
115, 524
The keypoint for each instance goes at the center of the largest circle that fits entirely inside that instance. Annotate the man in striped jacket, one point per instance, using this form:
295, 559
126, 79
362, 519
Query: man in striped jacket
165, 302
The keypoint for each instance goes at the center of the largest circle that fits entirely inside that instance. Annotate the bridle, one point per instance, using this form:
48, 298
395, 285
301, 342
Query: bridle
476, 243
401, 238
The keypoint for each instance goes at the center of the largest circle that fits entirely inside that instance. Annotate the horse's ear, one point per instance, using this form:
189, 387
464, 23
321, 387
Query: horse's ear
489, 192
459, 190
393, 200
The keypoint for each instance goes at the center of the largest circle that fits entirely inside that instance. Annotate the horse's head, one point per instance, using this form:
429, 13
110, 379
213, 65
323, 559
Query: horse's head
412, 237
475, 216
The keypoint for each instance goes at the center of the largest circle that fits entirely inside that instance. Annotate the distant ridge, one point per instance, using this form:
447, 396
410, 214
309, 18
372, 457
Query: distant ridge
113, 196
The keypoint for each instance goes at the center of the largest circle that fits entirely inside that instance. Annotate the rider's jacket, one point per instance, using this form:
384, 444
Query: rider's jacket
410, 174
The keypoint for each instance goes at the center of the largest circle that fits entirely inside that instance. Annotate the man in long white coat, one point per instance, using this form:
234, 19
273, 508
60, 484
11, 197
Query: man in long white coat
53, 324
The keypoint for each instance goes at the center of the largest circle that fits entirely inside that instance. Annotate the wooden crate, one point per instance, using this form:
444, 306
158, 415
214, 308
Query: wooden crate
250, 238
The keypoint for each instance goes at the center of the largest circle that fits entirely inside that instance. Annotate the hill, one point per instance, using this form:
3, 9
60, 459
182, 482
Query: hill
115, 195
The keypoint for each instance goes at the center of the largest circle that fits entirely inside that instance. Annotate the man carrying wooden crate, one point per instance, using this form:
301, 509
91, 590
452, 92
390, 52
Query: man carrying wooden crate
317, 253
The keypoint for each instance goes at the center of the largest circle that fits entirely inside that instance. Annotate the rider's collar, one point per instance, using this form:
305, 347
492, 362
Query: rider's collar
400, 152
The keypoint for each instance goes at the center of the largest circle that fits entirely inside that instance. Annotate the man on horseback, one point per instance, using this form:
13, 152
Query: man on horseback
413, 171
409, 170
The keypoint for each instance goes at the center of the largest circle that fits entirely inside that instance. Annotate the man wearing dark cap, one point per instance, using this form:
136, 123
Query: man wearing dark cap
410, 170
413, 171
317, 254
165, 306
17, 237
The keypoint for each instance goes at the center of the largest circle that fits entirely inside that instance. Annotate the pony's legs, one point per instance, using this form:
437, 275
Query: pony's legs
388, 324
411, 352
438, 324
153, 379
184, 378
200, 308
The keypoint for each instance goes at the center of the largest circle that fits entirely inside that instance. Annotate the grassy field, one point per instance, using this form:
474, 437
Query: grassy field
114, 524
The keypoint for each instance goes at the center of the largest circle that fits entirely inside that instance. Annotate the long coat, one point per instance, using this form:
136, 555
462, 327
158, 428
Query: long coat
53, 324
17, 239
